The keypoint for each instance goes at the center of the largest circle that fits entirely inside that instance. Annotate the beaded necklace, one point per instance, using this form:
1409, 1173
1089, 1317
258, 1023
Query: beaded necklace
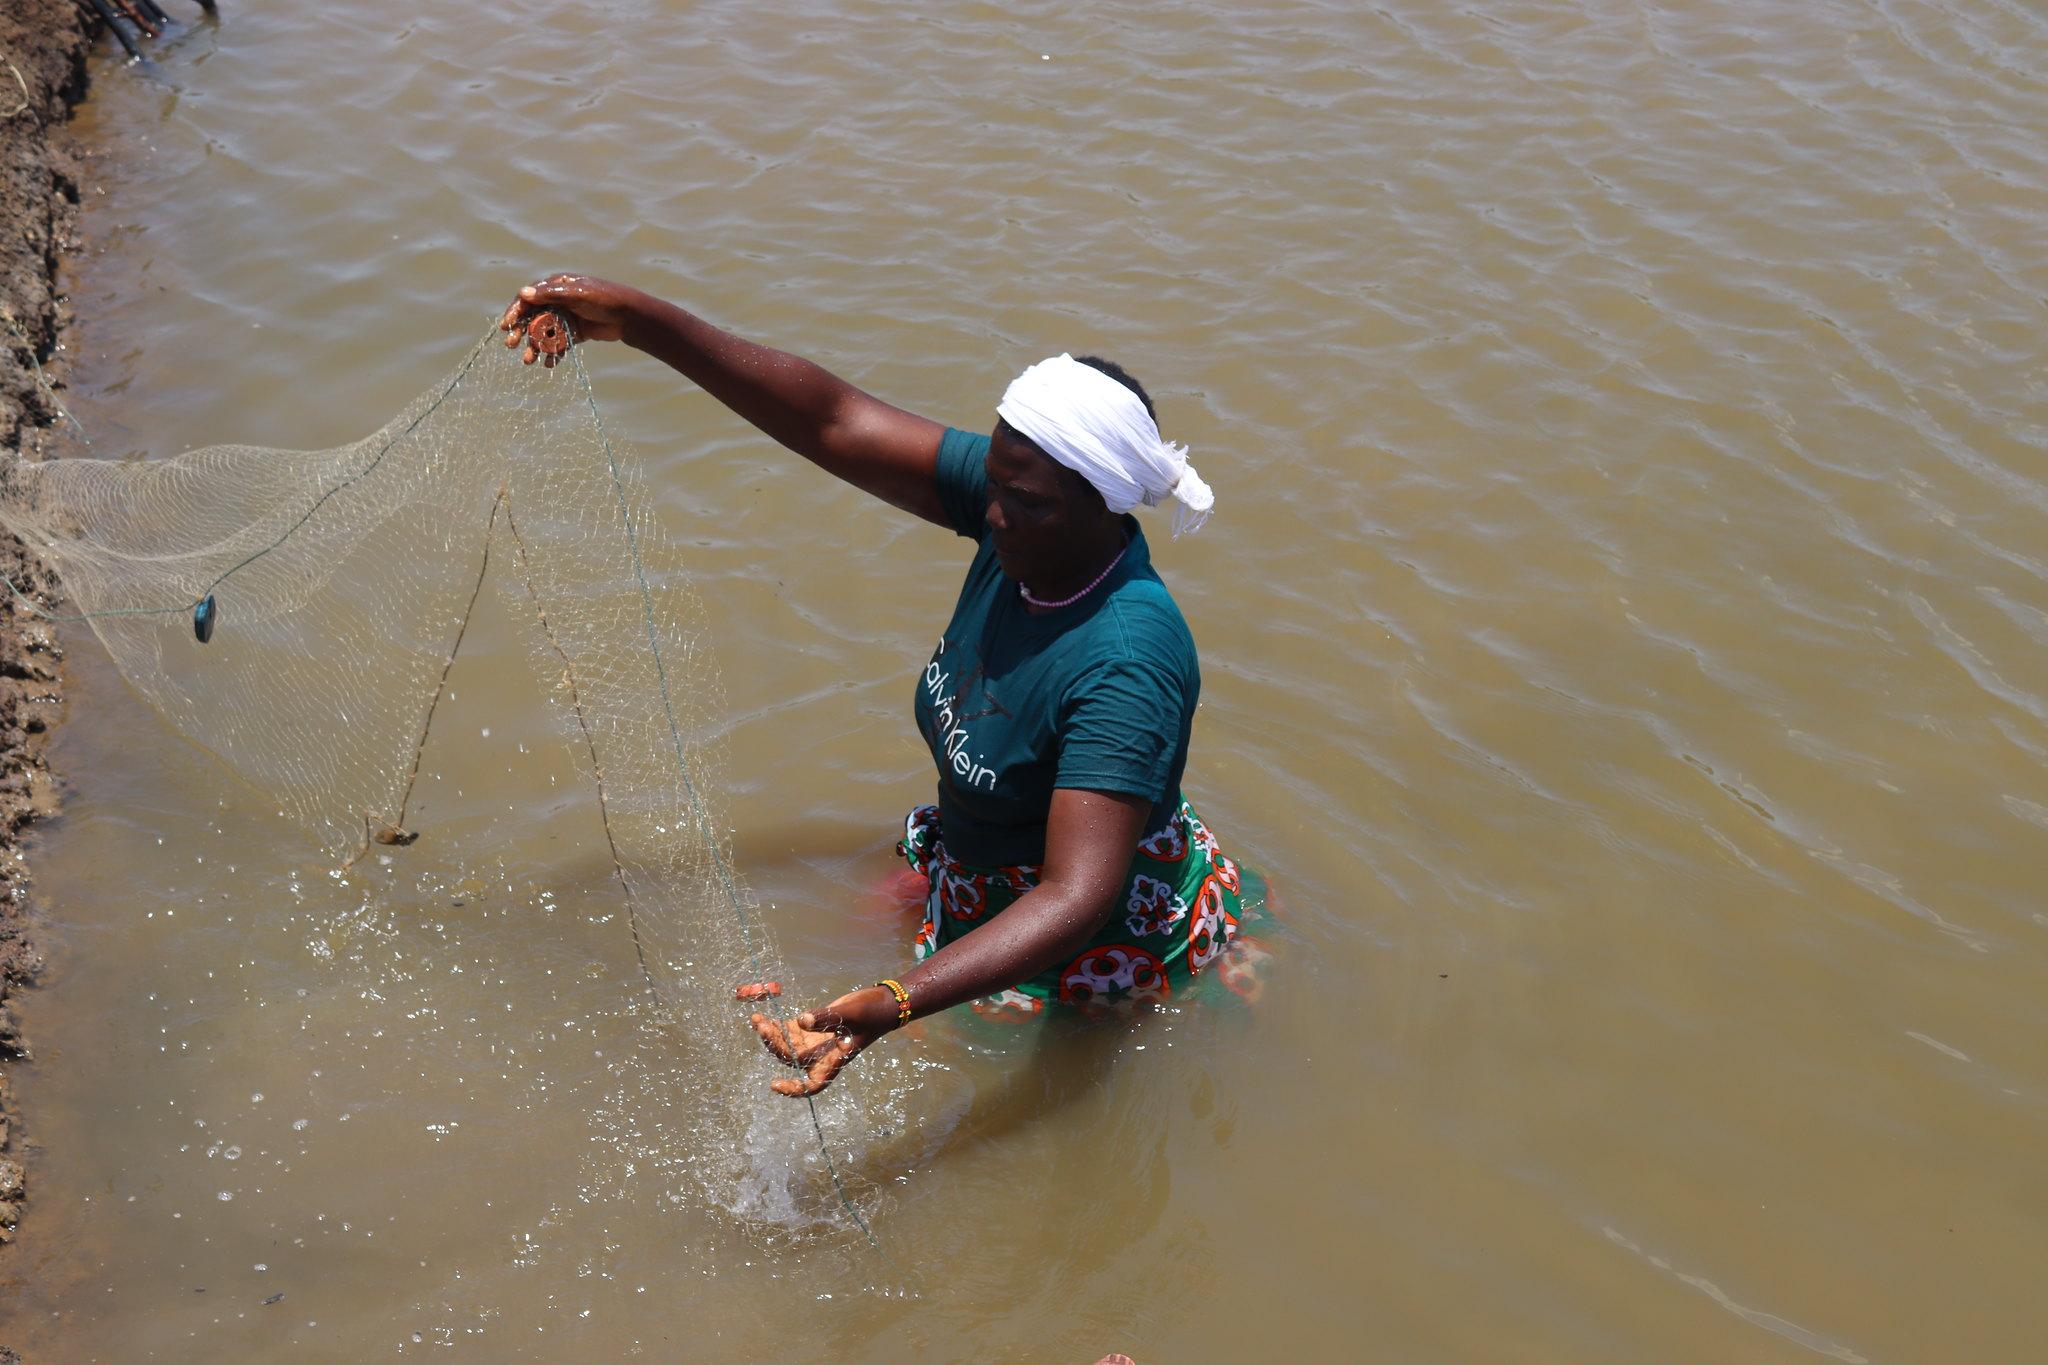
1093, 584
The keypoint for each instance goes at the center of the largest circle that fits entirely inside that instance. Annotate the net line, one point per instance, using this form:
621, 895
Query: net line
88, 616
364, 554
720, 861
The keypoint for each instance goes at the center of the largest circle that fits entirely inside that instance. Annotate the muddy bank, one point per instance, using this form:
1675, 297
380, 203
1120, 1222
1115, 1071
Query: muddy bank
43, 46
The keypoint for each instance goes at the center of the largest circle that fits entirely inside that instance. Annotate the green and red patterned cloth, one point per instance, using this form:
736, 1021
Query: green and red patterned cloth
1179, 914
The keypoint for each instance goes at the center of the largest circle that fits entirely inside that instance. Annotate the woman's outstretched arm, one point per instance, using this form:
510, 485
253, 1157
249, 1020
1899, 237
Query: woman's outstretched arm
843, 429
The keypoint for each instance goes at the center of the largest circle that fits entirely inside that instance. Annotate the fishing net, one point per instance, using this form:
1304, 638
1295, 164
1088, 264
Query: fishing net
297, 613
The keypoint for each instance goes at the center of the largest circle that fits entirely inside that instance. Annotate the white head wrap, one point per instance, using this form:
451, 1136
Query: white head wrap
1099, 429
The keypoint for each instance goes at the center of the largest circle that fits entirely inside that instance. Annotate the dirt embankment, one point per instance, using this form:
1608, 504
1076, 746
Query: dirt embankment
43, 45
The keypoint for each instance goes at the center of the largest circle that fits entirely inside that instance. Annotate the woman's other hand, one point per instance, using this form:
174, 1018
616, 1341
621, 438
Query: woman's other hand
597, 310
820, 1042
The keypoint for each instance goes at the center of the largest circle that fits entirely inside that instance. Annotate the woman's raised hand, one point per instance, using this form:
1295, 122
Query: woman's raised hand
820, 1042
597, 310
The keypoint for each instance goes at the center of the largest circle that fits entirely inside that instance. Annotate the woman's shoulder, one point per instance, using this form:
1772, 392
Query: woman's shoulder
1142, 623
963, 481
1136, 657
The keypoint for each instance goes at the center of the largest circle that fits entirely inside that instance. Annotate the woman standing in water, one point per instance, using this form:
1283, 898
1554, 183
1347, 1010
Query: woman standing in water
1064, 865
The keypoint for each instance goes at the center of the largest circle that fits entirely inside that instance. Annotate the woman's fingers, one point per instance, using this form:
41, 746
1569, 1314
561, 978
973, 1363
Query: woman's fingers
814, 1046
826, 1020
771, 1034
514, 324
797, 1043
594, 308
820, 1073
555, 290
529, 300
813, 1042
814, 1031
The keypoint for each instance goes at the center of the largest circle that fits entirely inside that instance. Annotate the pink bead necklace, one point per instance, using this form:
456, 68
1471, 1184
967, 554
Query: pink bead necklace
1095, 583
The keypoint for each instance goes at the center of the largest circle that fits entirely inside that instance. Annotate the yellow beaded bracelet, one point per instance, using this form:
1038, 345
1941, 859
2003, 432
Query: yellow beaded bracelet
895, 988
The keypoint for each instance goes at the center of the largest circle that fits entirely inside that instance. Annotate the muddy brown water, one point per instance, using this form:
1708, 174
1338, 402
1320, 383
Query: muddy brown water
1625, 638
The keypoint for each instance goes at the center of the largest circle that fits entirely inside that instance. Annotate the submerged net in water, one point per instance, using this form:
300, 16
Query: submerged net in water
297, 612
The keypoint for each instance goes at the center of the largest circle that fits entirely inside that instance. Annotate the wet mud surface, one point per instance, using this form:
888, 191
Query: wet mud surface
43, 47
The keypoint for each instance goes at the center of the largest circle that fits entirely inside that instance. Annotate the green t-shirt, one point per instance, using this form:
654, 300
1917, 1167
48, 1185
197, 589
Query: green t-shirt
1098, 695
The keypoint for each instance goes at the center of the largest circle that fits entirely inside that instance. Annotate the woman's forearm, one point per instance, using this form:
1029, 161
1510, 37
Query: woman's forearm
837, 426
1046, 927
793, 400
1089, 839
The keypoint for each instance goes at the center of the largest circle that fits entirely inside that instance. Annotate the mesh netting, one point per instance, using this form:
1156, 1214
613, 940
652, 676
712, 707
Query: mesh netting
333, 587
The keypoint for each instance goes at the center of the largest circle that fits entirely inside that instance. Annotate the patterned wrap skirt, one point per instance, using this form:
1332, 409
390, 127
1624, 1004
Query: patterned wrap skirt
1177, 915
